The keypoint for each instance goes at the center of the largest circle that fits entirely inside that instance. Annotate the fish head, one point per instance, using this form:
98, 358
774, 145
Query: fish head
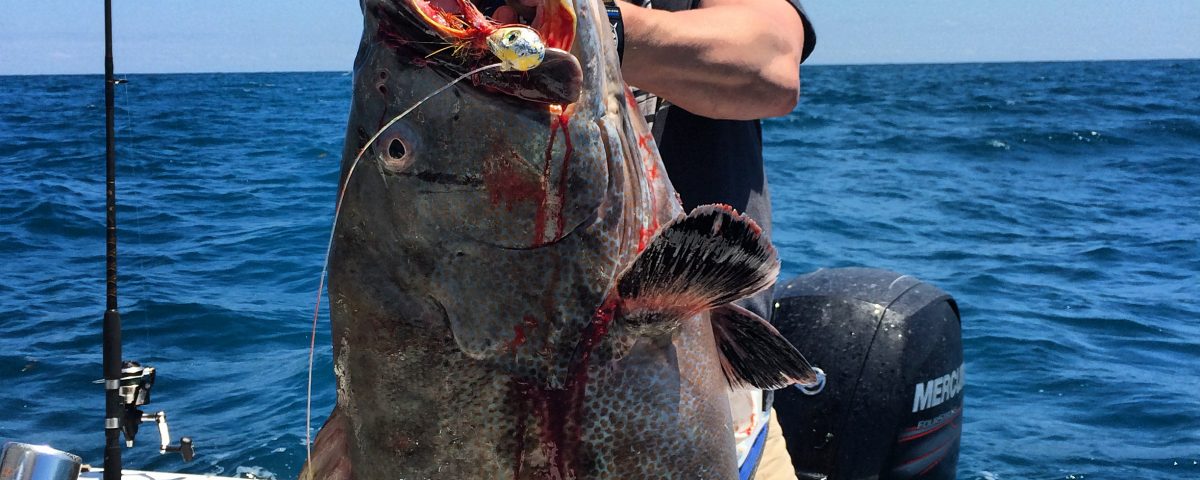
504, 198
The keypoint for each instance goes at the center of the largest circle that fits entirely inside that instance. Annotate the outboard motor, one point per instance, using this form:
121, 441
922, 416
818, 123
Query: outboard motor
891, 349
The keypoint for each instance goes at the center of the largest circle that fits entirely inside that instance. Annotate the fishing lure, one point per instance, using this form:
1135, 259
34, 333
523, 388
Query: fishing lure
518, 47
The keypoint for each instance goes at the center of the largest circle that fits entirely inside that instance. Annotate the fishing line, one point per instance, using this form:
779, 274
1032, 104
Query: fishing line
127, 149
329, 247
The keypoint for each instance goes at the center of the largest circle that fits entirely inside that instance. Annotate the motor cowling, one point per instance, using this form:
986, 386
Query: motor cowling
891, 347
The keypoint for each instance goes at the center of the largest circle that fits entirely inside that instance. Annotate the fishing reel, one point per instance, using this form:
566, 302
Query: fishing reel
136, 382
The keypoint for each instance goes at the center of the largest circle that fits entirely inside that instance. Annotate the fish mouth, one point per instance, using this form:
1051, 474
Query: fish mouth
451, 35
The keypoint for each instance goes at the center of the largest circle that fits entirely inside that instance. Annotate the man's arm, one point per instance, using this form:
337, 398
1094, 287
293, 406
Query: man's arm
728, 59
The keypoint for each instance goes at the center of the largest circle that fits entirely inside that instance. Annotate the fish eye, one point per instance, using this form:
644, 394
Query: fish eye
398, 155
396, 149
512, 37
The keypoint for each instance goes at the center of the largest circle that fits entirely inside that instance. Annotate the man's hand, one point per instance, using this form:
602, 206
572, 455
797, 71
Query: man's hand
728, 59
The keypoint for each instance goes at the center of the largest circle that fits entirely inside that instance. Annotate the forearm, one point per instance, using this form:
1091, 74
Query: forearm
732, 59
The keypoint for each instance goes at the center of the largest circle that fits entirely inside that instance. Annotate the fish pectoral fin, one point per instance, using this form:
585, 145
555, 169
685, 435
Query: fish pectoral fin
754, 354
708, 258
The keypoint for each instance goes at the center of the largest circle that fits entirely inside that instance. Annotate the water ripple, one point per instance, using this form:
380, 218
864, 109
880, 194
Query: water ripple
1056, 202
1059, 209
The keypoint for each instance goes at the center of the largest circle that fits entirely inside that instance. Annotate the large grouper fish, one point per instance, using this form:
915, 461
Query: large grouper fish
515, 289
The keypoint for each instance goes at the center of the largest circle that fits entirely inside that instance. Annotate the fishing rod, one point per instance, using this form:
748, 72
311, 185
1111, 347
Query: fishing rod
113, 406
126, 383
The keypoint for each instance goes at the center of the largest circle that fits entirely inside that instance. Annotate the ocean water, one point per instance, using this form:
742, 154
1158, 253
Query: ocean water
1058, 202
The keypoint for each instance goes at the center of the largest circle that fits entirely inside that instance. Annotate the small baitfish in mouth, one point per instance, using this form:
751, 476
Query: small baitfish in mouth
530, 39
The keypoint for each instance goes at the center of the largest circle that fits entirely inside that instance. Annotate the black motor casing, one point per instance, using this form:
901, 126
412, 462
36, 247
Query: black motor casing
891, 348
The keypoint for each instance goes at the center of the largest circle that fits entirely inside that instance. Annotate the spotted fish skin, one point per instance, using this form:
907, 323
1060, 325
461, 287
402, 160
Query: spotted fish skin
477, 329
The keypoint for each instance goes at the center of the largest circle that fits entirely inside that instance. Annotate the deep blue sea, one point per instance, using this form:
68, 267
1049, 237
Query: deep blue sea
1058, 202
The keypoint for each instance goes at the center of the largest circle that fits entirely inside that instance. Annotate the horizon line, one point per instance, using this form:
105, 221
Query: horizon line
818, 64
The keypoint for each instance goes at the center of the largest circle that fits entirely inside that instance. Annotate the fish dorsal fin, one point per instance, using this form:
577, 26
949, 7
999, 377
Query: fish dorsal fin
754, 354
708, 258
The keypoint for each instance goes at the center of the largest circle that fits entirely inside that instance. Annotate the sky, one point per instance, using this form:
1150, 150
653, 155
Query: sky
67, 36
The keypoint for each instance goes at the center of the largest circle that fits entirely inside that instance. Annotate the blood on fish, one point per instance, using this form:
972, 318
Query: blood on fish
560, 411
519, 331
518, 397
644, 141
518, 337
560, 121
592, 336
648, 159
651, 170
506, 182
645, 234
568, 151
539, 221
630, 99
